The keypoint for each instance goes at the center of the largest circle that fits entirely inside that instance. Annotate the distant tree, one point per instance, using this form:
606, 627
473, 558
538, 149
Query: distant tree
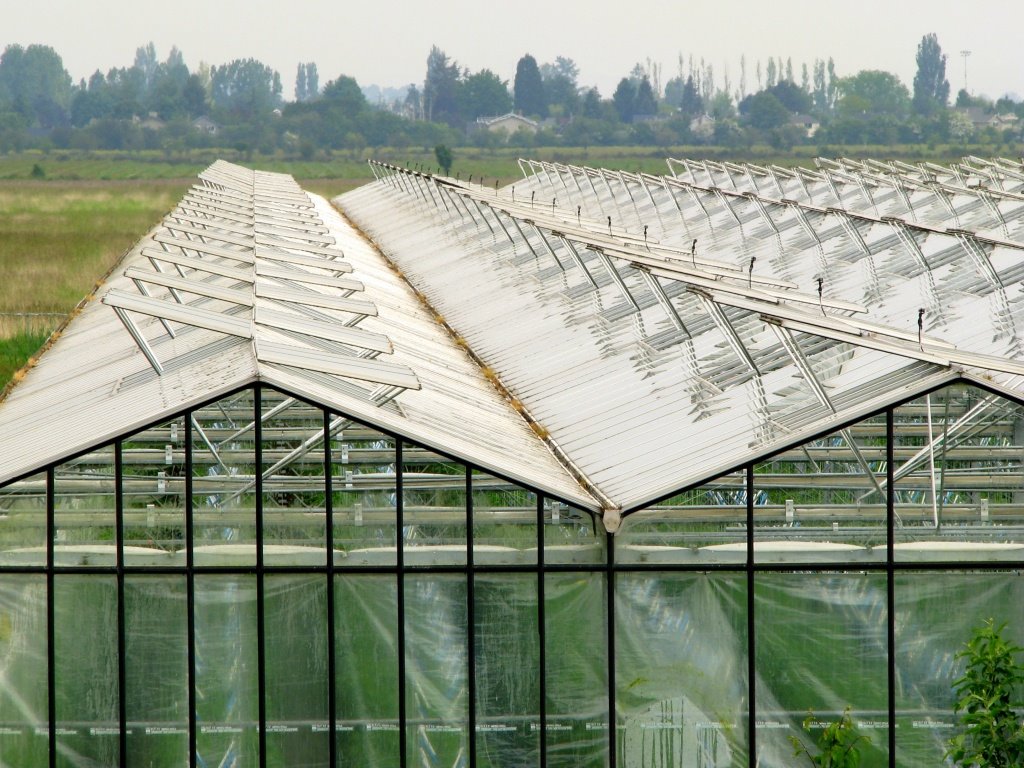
307, 82
644, 103
873, 92
528, 88
772, 74
484, 94
146, 62
791, 96
591, 103
624, 99
765, 112
35, 85
931, 88
691, 104
345, 95
440, 88
443, 154
193, 97
245, 89
560, 84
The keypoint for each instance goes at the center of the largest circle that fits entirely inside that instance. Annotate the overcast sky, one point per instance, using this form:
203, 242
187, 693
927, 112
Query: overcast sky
386, 42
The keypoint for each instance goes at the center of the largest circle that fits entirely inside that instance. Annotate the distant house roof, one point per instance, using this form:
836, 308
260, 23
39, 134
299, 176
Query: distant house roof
502, 121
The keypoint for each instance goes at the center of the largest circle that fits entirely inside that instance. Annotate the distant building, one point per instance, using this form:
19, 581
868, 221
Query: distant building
205, 125
806, 123
508, 124
703, 126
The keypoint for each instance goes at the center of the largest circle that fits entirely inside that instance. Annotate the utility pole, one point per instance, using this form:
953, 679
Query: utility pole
965, 54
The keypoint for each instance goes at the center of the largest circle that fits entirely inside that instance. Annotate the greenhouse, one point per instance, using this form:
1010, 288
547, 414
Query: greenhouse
596, 469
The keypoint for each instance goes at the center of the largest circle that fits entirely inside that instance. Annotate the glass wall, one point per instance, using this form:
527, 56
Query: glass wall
260, 582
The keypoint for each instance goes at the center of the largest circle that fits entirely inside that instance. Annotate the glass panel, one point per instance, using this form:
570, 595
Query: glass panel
434, 508
294, 520
959, 477
223, 471
364, 494
24, 718
572, 535
435, 669
824, 501
85, 651
936, 615
681, 669
821, 644
366, 668
707, 524
298, 719
504, 522
84, 510
576, 674
23, 522
156, 670
227, 684
153, 487
507, 670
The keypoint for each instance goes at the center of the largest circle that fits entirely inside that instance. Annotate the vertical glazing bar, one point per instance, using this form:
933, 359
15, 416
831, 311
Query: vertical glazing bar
890, 504
542, 636
122, 677
751, 666
609, 613
403, 738
190, 588
470, 619
261, 640
332, 694
51, 682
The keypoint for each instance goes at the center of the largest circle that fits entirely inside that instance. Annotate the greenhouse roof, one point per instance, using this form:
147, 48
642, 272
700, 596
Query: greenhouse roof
603, 336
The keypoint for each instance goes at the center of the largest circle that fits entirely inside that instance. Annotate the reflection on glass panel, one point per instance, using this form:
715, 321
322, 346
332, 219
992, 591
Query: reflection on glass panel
821, 644
364, 496
959, 477
504, 521
298, 720
436, 668
23, 522
681, 669
224, 480
366, 669
576, 674
153, 488
434, 508
294, 518
85, 671
227, 683
572, 535
707, 524
507, 670
928, 636
156, 670
24, 726
84, 509
824, 501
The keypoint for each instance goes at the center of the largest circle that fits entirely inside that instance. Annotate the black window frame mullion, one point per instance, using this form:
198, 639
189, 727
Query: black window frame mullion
610, 641
542, 659
261, 646
51, 630
190, 591
890, 559
470, 622
122, 674
751, 624
403, 738
332, 700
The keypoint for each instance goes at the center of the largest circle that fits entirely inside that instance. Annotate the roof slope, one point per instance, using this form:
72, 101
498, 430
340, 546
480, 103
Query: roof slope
639, 317
251, 279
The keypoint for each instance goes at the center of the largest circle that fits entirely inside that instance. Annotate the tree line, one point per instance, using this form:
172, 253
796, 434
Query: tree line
164, 104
